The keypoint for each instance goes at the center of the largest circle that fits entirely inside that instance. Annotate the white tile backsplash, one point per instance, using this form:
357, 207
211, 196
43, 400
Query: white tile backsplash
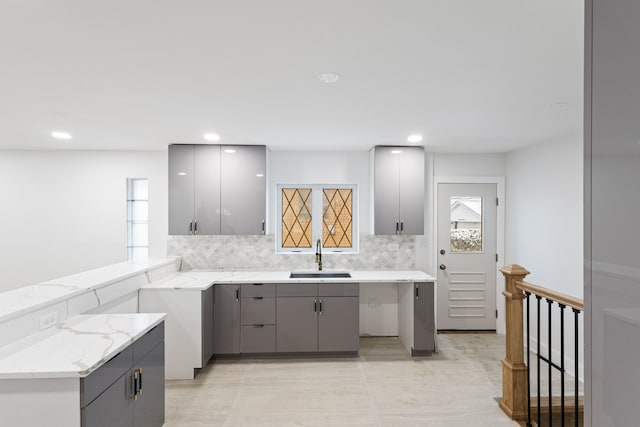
259, 253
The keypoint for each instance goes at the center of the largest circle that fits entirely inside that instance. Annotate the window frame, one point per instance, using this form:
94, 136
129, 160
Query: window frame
316, 218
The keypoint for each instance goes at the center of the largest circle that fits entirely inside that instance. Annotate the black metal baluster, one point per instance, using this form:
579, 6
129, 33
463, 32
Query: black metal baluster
538, 297
576, 312
528, 364
562, 307
550, 362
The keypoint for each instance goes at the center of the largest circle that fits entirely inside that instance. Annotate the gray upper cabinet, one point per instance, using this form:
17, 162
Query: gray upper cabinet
243, 189
194, 189
207, 190
181, 189
398, 183
217, 189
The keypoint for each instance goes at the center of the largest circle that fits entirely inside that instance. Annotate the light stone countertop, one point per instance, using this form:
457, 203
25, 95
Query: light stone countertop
75, 348
202, 280
16, 302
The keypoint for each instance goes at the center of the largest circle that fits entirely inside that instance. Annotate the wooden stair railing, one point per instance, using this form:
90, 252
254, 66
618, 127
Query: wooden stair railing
516, 399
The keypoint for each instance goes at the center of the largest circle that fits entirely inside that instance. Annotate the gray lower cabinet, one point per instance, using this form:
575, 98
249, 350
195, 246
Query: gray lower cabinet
338, 324
258, 318
297, 329
207, 325
226, 319
327, 319
128, 390
423, 318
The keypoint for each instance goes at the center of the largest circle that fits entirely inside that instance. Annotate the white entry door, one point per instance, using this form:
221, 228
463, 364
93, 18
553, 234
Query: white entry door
466, 256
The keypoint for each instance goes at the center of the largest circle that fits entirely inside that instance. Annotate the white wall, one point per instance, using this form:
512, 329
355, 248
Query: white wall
320, 167
544, 213
544, 225
64, 212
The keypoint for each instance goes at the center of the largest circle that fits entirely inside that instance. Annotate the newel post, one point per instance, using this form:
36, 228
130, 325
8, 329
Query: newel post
514, 370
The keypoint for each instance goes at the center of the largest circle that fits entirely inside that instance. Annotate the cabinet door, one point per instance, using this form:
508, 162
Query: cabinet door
386, 186
243, 189
226, 319
207, 189
148, 409
423, 317
297, 324
412, 190
338, 324
207, 325
181, 188
114, 407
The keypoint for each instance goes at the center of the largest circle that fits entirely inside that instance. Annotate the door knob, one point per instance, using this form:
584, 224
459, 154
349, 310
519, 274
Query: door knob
443, 267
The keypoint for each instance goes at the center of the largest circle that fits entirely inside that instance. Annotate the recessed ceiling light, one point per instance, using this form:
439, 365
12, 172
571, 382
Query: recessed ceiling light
414, 138
328, 77
259, 175
182, 173
212, 137
61, 135
230, 151
396, 151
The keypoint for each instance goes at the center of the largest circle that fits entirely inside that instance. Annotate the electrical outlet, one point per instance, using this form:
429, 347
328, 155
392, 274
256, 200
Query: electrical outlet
393, 247
48, 320
249, 248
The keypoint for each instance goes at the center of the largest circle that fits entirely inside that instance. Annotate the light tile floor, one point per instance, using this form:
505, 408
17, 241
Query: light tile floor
381, 387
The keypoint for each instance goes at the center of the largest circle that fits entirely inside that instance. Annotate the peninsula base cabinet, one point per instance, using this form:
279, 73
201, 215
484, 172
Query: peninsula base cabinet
188, 327
136, 397
126, 391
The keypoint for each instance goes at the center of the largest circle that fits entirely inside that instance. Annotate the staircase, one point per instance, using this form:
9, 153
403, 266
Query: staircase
517, 400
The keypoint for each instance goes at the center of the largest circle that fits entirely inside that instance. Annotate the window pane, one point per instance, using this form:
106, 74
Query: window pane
466, 224
296, 218
337, 219
139, 235
140, 188
138, 211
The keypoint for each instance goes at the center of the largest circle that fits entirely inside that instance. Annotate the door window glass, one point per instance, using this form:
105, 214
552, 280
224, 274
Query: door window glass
466, 224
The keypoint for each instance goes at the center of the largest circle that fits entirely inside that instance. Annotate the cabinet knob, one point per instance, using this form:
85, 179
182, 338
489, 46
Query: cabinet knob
443, 267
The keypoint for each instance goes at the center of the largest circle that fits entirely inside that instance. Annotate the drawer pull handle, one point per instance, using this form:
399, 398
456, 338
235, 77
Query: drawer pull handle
258, 284
258, 297
258, 326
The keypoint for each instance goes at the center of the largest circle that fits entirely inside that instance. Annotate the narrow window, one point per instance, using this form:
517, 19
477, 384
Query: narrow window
137, 218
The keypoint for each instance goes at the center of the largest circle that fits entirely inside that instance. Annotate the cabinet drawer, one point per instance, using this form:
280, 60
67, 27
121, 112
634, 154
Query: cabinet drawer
258, 290
148, 342
297, 289
258, 310
111, 408
258, 339
339, 289
100, 379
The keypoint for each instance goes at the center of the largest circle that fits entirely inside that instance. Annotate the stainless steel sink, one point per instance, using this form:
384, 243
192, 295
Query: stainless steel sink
320, 275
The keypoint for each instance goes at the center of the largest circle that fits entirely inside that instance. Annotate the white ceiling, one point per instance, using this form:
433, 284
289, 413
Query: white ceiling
470, 75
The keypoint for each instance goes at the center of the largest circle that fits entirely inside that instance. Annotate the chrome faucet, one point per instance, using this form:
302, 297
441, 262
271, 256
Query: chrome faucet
319, 254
